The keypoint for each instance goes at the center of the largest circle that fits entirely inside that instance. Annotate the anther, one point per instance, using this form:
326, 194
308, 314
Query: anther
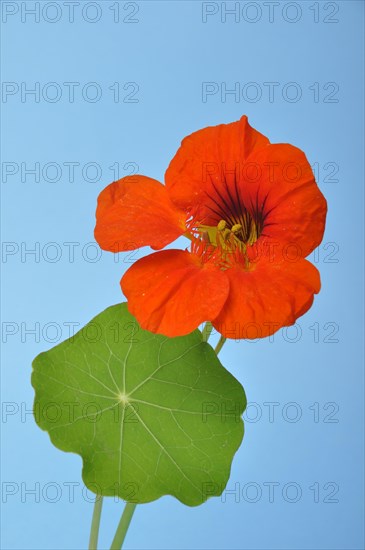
222, 225
236, 228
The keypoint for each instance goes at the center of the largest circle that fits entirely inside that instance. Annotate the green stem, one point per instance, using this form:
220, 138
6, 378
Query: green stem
220, 344
207, 331
123, 526
95, 523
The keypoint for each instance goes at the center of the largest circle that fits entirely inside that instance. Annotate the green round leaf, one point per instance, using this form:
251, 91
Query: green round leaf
149, 415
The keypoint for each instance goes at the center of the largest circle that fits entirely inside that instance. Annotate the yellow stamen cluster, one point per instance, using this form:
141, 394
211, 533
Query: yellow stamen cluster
227, 239
231, 240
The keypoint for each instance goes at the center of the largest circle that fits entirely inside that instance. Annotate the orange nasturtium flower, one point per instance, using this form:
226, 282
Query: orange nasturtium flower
252, 211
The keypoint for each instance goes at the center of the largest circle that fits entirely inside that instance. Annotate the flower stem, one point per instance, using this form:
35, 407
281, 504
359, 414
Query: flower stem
207, 331
220, 344
95, 523
123, 526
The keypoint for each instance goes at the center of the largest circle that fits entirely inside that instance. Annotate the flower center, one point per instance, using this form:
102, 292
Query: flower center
244, 231
233, 226
239, 222
232, 235
230, 240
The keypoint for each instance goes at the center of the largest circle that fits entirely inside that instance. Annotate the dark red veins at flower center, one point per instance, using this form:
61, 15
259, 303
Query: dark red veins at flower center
232, 215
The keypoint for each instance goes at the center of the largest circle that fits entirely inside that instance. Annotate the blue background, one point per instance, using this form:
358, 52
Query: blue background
169, 52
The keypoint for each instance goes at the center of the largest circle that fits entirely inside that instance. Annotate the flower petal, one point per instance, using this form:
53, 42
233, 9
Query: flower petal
172, 292
202, 158
136, 211
294, 208
271, 295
